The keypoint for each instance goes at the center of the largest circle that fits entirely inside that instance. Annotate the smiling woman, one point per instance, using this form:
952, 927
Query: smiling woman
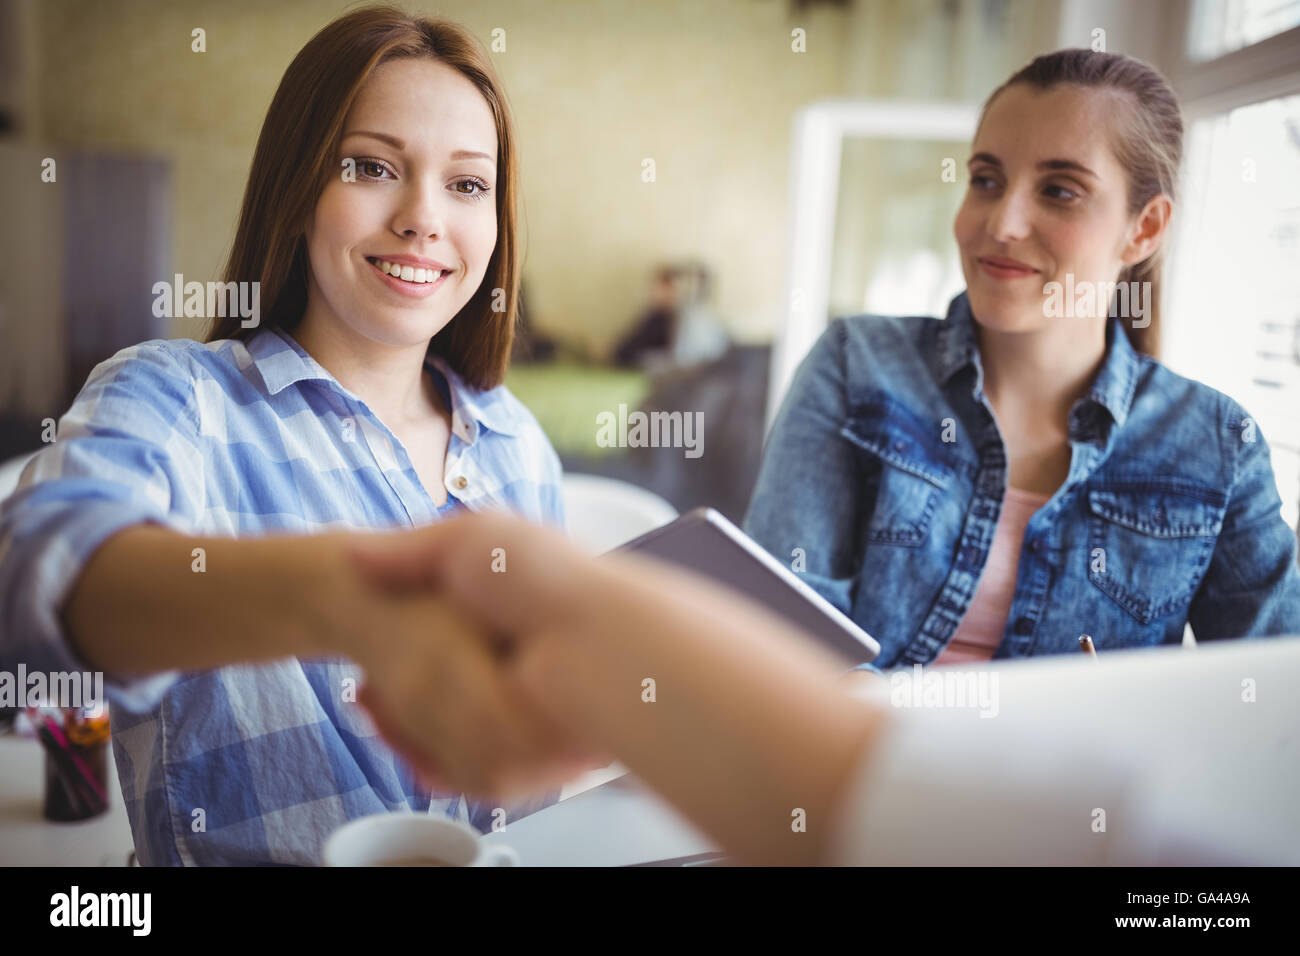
417, 143
416, 203
371, 232
379, 229
996, 483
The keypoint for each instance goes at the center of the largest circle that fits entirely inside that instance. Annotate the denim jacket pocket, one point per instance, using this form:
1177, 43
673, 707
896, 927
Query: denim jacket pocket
1150, 543
908, 480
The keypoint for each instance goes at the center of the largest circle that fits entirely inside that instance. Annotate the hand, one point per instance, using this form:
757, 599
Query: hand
519, 578
439, 685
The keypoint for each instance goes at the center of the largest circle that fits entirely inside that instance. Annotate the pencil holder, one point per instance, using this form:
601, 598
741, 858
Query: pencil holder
66, 796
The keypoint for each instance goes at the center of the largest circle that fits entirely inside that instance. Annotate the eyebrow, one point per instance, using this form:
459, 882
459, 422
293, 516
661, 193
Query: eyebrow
1047, 164
400, 144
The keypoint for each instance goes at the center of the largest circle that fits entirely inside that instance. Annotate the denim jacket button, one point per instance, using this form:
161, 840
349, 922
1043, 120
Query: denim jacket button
1023, 626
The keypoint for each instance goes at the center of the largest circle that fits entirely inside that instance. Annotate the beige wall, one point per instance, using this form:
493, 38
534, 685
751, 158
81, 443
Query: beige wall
34, 356
706, 88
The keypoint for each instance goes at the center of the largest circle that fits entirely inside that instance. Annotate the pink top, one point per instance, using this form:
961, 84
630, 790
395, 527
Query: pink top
980, 631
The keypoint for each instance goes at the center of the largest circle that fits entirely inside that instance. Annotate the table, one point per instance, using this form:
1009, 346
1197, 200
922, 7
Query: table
28, 839
618, 823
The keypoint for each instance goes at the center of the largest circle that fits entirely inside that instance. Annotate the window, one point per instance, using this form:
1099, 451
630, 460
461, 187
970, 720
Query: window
893, 252
1232, 300
1222, 26
1234, 304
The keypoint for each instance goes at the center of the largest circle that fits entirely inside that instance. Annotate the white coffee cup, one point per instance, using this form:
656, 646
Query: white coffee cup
398, 839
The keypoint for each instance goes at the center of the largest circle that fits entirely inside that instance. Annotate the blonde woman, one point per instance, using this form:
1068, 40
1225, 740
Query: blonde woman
997, 483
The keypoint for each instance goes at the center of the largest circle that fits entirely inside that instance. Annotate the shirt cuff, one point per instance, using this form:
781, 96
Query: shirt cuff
39, 580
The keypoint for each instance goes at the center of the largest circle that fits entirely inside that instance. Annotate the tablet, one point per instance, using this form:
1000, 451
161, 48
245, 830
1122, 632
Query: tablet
704, 541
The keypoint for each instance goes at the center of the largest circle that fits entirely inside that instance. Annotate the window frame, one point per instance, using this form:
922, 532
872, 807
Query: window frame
817, 145
1208, 90
1262, 71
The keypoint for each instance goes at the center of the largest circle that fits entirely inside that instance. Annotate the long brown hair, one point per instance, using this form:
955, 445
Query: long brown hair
296, 155
1147, 140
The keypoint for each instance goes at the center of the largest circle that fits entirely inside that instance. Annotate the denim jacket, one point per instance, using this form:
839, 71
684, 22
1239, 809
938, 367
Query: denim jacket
884, 473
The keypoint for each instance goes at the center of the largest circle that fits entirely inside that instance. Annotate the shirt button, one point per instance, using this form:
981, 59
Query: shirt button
462, 481
1023, 626
1035, 546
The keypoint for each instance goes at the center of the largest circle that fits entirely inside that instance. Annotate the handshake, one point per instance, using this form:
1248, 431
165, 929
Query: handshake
500, 661
470, 632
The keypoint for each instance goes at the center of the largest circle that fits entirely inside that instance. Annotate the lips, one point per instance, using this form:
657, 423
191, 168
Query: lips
415, 262
407, 287
1002, 268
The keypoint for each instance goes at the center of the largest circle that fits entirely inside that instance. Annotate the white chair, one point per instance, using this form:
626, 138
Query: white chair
602, 513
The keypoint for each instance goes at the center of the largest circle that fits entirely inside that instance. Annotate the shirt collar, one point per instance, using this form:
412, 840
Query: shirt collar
956, 340
1112, 389
1114, 385
471, 404
282, 362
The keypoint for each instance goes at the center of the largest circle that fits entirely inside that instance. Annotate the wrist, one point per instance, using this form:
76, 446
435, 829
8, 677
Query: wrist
323, 590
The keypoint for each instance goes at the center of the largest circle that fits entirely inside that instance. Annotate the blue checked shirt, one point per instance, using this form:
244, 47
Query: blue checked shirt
246, 764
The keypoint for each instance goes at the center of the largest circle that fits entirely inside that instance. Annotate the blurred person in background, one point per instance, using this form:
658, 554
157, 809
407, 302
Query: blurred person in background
679, 327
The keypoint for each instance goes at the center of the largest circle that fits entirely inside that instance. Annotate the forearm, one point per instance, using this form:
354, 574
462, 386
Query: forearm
748, 726
142, 604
